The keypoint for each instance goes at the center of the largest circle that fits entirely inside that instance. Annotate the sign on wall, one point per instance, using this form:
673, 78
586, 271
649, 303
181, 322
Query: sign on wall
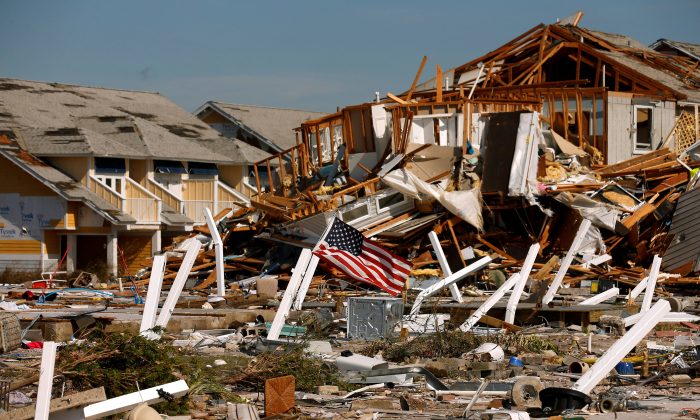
25, 216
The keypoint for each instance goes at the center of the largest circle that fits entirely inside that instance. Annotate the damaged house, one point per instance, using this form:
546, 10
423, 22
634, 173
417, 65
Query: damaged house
463, 138
269, 129
106, 176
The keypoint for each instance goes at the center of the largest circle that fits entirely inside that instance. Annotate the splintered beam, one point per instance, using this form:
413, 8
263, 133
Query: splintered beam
218, 252
455, 277
556, 283
520, 285
621, 347
601, 297
444, 266
492, 300
150, 308
288, 298
651, 284
179, 283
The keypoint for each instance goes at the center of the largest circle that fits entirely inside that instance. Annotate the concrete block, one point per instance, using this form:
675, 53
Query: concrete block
327, 390
57, 330
315, 346
375, 403
266, 287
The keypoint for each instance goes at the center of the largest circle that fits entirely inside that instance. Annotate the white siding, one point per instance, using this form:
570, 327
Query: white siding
664, 119
619, 124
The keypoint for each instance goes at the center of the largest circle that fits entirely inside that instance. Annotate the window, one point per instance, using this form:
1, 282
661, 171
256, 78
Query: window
114, 183
386, 202
168, 167
104, 165
355, 214
642, 130
202, 168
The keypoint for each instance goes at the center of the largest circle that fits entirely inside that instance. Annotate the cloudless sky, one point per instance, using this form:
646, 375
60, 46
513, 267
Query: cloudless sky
314, 55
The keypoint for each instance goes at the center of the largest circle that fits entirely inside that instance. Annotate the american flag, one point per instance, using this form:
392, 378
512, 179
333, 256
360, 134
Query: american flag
346, 249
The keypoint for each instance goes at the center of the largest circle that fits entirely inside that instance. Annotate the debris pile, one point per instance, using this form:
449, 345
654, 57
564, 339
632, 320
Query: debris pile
460, 248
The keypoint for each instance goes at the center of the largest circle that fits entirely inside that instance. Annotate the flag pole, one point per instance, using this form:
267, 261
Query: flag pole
325, 232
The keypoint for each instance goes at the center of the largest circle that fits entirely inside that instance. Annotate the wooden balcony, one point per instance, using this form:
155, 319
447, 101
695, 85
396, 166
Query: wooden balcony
136, 201
199, 194
169, 199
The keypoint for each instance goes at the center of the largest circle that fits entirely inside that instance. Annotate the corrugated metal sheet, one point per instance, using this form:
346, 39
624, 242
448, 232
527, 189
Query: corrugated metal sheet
683, 254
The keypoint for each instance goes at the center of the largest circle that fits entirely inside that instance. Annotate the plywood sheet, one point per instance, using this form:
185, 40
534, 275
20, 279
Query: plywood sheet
279, 395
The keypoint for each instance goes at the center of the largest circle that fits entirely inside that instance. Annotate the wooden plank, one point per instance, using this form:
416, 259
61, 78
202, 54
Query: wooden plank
497, 323
67, 402
617, 167
630, 221
396, 98
659, 162
494, 248
279, 395
438, 83
417, 78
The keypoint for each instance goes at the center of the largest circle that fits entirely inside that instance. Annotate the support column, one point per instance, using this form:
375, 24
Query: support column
112, 255
156, 242
72, 256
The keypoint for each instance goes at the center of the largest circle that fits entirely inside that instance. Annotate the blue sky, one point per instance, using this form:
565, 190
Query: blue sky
314, 55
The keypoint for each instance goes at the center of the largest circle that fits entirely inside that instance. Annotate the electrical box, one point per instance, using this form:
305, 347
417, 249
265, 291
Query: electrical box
372, 318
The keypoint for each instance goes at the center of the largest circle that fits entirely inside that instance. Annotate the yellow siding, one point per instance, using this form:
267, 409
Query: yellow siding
20, 246
75, 167
70, 221
72, 215
138, 170
52, 242
232, 176
15, 180
137, 251
198, 190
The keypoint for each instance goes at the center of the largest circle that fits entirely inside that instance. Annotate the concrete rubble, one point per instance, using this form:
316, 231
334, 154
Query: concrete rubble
515, 276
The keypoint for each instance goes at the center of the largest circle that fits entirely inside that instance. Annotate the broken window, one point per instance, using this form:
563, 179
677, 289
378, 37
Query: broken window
386, 202
642, 129
202, 168
358, 213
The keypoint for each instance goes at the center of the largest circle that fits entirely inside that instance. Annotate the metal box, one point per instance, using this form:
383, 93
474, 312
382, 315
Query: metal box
372, 318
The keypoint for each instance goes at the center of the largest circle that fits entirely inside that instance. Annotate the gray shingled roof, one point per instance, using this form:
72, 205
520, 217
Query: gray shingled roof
274, 124
687, 48
57, 119
619, 40
656, 74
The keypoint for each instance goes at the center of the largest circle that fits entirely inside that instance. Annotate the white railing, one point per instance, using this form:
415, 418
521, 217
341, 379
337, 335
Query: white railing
194, 209
144, 210
140, 203
160, 191
105, 192
233, 195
